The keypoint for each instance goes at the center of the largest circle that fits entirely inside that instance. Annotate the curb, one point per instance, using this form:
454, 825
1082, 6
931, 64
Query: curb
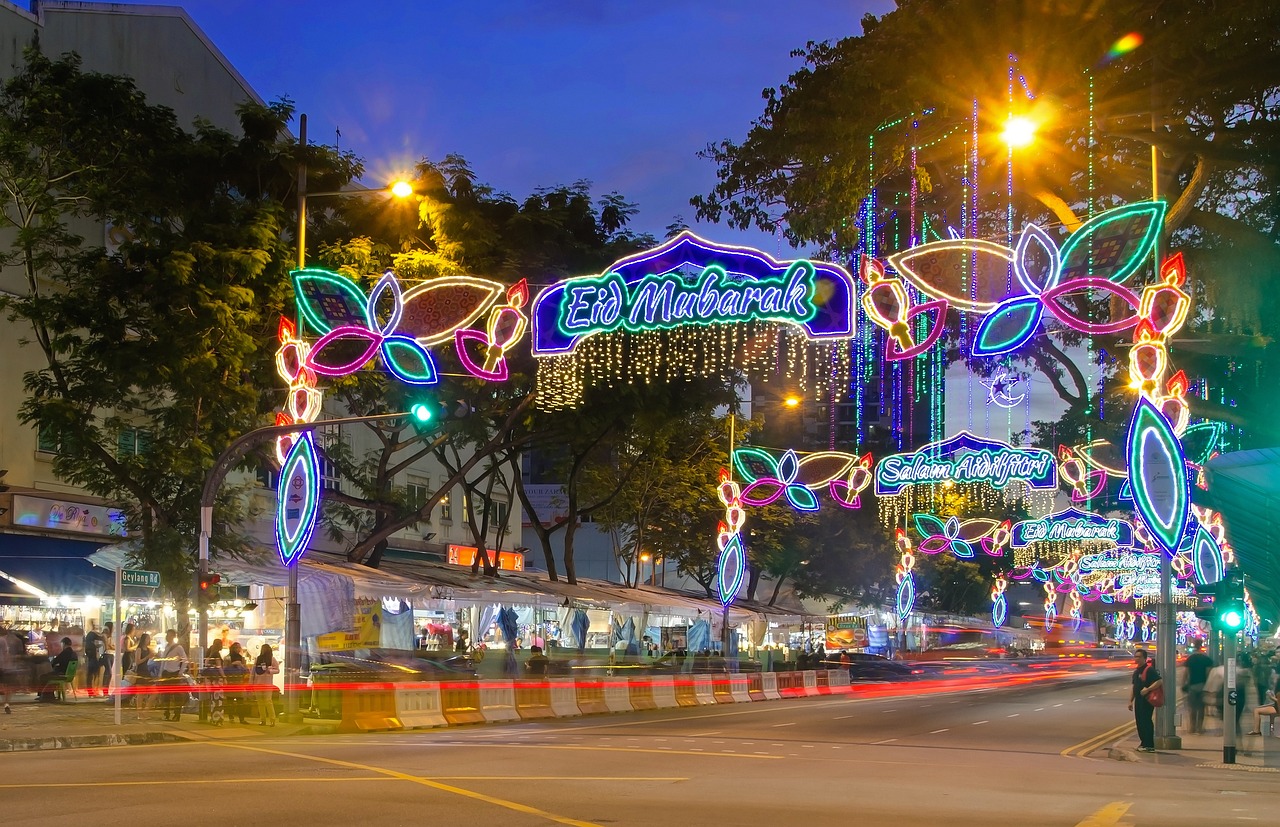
112, 739
1124, 754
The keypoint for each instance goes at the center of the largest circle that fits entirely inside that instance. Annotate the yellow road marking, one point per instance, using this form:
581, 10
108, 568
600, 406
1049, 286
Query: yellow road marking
426, 782
1108, 816
585, 748
331, 779
1090, 744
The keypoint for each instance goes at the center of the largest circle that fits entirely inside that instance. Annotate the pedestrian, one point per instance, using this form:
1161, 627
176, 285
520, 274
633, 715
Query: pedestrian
144, 679
1145, 679
1261, 674
262, 679
172, 663
1269, 705
9, 659
129, 649
461, 646
236, 670
94, 649
214, 681
108, 656
1197, 666
537, 663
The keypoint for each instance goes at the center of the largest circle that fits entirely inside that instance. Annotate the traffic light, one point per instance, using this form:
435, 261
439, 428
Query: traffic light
1229, 607
1206, 601
428, 414
209, 590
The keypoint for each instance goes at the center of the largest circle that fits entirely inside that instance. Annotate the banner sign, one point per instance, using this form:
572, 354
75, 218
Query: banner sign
967, 458
466, 556
691, 281
1072, 525
38, 512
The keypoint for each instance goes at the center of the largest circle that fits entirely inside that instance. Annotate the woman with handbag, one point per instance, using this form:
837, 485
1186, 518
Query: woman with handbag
143, 676
262, 678
1147, 694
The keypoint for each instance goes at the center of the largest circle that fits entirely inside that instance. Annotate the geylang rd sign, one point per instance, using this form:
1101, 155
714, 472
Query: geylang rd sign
967, 458
691, 281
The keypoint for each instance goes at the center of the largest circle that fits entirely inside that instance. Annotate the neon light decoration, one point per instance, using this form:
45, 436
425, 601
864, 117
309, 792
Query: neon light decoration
999, 389
1206, 557
304, 400
999, 604
1050, 606
689, 280
507, 324
298, 499
904, 573
796, 477
1158, 476
1085, 484
961, 538
1074, 526
966, 458
732, 565
887, 305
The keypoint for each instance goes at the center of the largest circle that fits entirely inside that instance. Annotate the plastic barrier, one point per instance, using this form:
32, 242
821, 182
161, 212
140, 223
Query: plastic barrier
769, 686
533, 700
791, 684
839, 678
809, 683
755, 687
461, 703
564, 701
664, 693
369, 708
738, 684
823, 682
617, 696
721, 688
641, 694
498, 701
704, 689
685, 693
420, 706
590, 697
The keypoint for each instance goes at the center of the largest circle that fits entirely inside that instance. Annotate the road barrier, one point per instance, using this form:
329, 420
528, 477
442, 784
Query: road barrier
564, 702
721, 689
823, 682
641, 694
664, 693
617, 696
461, 703
704, 689
686, 694
810, 682
533, 700
498, 701
371, 707
738, 690
420, 706
769, 686
590, 697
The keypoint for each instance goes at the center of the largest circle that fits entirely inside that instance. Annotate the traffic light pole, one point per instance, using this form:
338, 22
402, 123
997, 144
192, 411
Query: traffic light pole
1167, 659
1230, 699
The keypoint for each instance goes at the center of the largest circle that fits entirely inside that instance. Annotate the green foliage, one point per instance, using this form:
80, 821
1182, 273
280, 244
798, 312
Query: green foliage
167, 337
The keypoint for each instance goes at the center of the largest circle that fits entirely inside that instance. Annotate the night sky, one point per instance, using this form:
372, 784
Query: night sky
534, 93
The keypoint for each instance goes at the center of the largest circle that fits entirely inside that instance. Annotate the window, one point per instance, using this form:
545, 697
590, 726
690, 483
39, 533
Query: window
330, 479
267, 477
132, 442
498, 512
417, 491
446, 509
48, 440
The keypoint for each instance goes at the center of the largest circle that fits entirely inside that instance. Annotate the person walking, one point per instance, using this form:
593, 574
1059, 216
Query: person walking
1197, 676
108, 656
262, 679
172, 662
212, 676
1145, 679
236, 671
144, 681
94, 649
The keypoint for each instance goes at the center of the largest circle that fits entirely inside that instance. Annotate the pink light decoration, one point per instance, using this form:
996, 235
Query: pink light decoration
762, 492
372, 339
892, 346
1063, 314
460, 338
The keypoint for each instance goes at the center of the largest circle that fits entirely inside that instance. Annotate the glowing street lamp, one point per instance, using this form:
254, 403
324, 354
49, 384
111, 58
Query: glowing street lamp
792, 401
1019, 132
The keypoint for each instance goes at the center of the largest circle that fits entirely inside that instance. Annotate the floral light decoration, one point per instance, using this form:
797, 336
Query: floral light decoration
888, 306
1050, 606
1085, 484
904, 574
732, 565
999, 603
796, 478
962, 538
304, 401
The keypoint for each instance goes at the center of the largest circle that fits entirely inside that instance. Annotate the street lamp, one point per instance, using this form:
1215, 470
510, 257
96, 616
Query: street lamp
398, 189
792, 401
1019, 131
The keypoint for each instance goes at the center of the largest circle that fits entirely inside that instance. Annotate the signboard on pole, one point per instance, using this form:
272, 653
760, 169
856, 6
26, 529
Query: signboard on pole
140, 577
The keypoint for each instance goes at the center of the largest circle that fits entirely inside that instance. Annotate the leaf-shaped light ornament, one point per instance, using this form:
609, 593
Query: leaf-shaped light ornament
1113, 244
1102, 455
801, 498
821, 467
333, 354
788, 467
905, 600
885, 302
1064, 313
435, 308
1158, 476
1206, 557
847, 492
969, 274
328, 300
730, 569
935, 315
478, 369
903, 573
999, 604
1085, 484
1050, 606
753, 464
997, 541
1164, 305
1036, 261
1022, 572
389, 286
297, 499
1201, 440
507, 324
1008, 327
763, 491
409, 361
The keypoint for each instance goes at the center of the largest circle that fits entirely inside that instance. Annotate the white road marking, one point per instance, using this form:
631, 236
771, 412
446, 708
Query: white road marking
805, 746
1014, 715
979, 723
792, 723
1055, 706
1039, 709
885, 741
842, 717
936, 731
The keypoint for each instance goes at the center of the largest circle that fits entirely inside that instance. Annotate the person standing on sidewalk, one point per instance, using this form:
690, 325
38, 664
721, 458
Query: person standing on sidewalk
108, 656
1198, 665
262, 678
94, 649
1145, 678
172, 663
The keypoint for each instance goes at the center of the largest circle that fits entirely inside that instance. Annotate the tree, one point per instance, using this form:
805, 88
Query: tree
891, 109
156, 354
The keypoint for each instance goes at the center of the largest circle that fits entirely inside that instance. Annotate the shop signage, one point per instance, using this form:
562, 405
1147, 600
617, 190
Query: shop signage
967, 458
466, 556
691, 281
846, 631
367, 633
38, 512
1072, 525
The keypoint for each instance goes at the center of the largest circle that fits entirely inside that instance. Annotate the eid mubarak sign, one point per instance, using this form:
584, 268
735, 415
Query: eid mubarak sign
1072, 525
691, 281
966, 458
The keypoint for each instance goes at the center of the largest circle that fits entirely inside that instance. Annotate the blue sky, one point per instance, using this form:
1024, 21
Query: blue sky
533, 93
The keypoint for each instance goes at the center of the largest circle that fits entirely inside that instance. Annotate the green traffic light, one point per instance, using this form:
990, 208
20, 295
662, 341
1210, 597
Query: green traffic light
421, 412
1232, 619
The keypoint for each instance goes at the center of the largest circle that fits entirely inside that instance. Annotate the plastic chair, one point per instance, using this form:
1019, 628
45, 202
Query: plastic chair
61, 682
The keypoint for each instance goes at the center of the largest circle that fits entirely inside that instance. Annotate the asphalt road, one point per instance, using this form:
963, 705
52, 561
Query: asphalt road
974, 757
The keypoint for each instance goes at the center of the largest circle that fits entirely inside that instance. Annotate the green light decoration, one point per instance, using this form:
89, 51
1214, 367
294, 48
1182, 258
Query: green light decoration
326, 300
1114, 243
1158, 476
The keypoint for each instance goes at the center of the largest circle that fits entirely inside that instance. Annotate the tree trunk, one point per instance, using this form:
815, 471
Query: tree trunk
753, 582
777, 587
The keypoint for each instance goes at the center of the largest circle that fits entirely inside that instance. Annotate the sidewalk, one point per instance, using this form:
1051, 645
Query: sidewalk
1254, 753
90, 722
